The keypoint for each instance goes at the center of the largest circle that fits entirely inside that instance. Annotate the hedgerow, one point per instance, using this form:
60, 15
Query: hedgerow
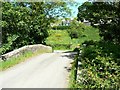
100, 66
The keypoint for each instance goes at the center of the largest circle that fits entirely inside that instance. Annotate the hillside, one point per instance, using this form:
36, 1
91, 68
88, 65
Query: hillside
60, 39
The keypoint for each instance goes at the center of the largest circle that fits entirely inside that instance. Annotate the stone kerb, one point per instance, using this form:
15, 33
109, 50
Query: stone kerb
22, 50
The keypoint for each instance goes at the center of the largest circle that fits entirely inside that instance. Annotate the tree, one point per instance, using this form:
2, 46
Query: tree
105, 15
58, 9
23, 24
26, 23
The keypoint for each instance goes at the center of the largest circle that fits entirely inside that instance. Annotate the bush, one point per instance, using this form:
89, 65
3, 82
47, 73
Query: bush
101, 62
23, 24
60, 27
76, 29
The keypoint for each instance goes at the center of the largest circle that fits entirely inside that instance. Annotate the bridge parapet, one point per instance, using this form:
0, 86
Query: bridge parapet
24, 49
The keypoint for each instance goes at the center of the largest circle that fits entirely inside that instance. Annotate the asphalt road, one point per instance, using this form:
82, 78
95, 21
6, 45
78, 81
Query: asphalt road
49, 70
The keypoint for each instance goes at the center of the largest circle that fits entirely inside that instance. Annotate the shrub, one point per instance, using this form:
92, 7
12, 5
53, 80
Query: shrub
60, 27
22, 24
75, 30
101, 62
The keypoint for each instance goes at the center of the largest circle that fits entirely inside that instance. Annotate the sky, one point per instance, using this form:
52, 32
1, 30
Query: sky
75, 8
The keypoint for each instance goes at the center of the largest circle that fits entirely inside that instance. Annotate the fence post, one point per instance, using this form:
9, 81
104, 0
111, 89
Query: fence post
76, 62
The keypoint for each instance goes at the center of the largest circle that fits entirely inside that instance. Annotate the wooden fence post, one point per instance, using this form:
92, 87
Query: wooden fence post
76, 63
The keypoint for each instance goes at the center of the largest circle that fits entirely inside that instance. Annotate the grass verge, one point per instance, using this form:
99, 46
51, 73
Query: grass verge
16, 60
72, 81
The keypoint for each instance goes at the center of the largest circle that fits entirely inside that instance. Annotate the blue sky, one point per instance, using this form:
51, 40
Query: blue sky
75, 8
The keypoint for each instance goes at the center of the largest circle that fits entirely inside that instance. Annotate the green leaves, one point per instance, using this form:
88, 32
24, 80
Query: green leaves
76, 29
29, 21
23, 24
102, 69
3, 24
105, 16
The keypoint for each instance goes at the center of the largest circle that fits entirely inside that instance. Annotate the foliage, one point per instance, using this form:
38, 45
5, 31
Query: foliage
61, 27
76, 29
57, 9
100, 65
22, 25
83, 32
27, 22
72, 82
105, 16
89, 33
58, 39
100, 60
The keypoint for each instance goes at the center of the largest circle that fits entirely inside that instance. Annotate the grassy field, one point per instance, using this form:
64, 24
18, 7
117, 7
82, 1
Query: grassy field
89, 33
60, 39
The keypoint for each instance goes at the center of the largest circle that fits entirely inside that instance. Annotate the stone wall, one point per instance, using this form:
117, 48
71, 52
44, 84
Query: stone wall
28, 48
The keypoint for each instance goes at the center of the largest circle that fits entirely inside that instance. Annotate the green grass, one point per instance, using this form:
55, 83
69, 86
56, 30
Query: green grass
71, 79
89, 33
72, 82
16, 60
60, 39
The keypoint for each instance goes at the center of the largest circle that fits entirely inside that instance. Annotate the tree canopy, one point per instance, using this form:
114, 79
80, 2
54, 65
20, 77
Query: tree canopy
26, 23
105, 16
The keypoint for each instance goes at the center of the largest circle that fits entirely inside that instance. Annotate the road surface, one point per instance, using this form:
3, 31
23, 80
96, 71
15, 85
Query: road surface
49, 70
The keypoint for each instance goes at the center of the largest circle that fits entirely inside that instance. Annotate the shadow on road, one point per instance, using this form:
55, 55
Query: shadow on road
68, 69
71, 55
